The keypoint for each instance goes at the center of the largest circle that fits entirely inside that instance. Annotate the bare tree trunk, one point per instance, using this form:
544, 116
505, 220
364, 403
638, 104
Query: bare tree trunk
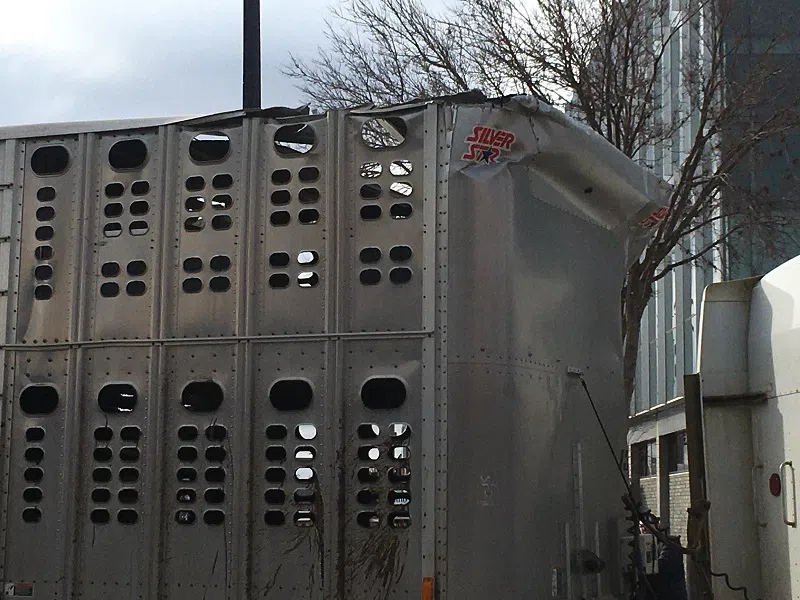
636, 297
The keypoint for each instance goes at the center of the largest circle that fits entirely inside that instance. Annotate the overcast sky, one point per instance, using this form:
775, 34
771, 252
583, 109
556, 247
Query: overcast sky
65, 60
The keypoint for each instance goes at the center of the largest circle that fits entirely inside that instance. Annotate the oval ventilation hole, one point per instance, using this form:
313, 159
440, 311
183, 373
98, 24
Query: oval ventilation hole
276, 432
215, 475
304, 496
280, 218
185, 517
100, 516
129, 475
275, 496
368, 431
101, 475
216, 454
371, 212
103, 434
195, 203
194, 224
280, 197
307, 257
278, 259
127, 516
187, 433
384, 133
214, 496
368, 497
34, 434
308, 216
38, 399
186, 496
276, 453
45, 213
399, 520
307, 279
304, 474
34, 455
32, 494
127, 155
128, 496
130, 433
193, 264
186, 474
221, 222
110, 269
371, 191
370, 276
399, 431
400, 168
304, 518
221, 202
193, 285
112, 210
129, 454
368, 520
46, 194
112, 230
43, 253
399, 497
401, 453
369, 255
291, 394
43, 292
43, 272
275, 475
44, 233
219, 284
399, 474
213, 517
274, 518
117, 398
371, 170
187, 454
279, 281
305, 431
308, 174
308, 195
402, 210
137, 268
50, 160
216, 433
114, 190
209, 147
400, 275
202, 396
401, 189
305, 453
140, 188
281, 176
383, 393
102, 454
109, 290
400, 253
195, 184
294, 140
33, 474
139, 208
369, 453
222, 181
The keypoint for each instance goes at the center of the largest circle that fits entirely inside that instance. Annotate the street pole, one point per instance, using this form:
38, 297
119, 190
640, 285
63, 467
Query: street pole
251, 66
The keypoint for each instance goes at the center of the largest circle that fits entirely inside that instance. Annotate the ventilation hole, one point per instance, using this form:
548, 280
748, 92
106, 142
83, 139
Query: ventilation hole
308, 174
371, 170
213, 517
128, 475
215, 454
117, 398
195, 184
291, 394
221, 222
371, 191
370, 276
34, 434
384, 133
38, 399
307, 257
135, 288
43, 292
304, 496
187, 454
127, 516
401, 189
34, 455
400, 253
32, 495
137, 268
127, 155
400, 275
304, 474
401, 453
209, 147
307, 279
44, 233
278, 259
400, 168
215, 475
219, 284
100, 516
402, 210
221, 202
280, 197
130, 433
275, 475
114, 190
370, 212
305, 431
281, 176
192, 285
103, 454
186, 496
112, 210
43, 272
383, 393
308, 216
101, 475
216, 433
368, 474
280, 218
369, 520
202, 396
222, 181
276, 432
305, 453
308, 195
110, 269
187, 433
274, 518
220, 263
370, 255
304, 518
43, 252
214, 496
276, 453
140, 188
399, 497
368, 431
139, 208
294, 140
193, 264
109, 290
399, 520
279, 281
368, 453
103, 434
275, 496
112, 230
101, 495
399, 431
185, 517
368, 497
45, 213
50, 160
139, 228
33, 474
194, 224
129, 454
186, 474
399, 474
46, 194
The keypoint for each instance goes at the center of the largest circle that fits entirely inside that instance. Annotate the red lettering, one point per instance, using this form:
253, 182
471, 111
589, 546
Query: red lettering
473, 153
476, 134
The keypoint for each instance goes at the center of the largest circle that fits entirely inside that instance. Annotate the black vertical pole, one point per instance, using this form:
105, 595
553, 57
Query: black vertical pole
251, 67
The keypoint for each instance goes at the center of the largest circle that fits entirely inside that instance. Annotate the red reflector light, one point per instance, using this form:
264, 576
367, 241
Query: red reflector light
775, 484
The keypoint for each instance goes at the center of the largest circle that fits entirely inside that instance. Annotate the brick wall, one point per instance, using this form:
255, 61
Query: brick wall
649, 489
679, 501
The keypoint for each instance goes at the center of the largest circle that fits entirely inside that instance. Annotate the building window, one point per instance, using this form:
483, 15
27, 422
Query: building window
677, 461
646, 457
